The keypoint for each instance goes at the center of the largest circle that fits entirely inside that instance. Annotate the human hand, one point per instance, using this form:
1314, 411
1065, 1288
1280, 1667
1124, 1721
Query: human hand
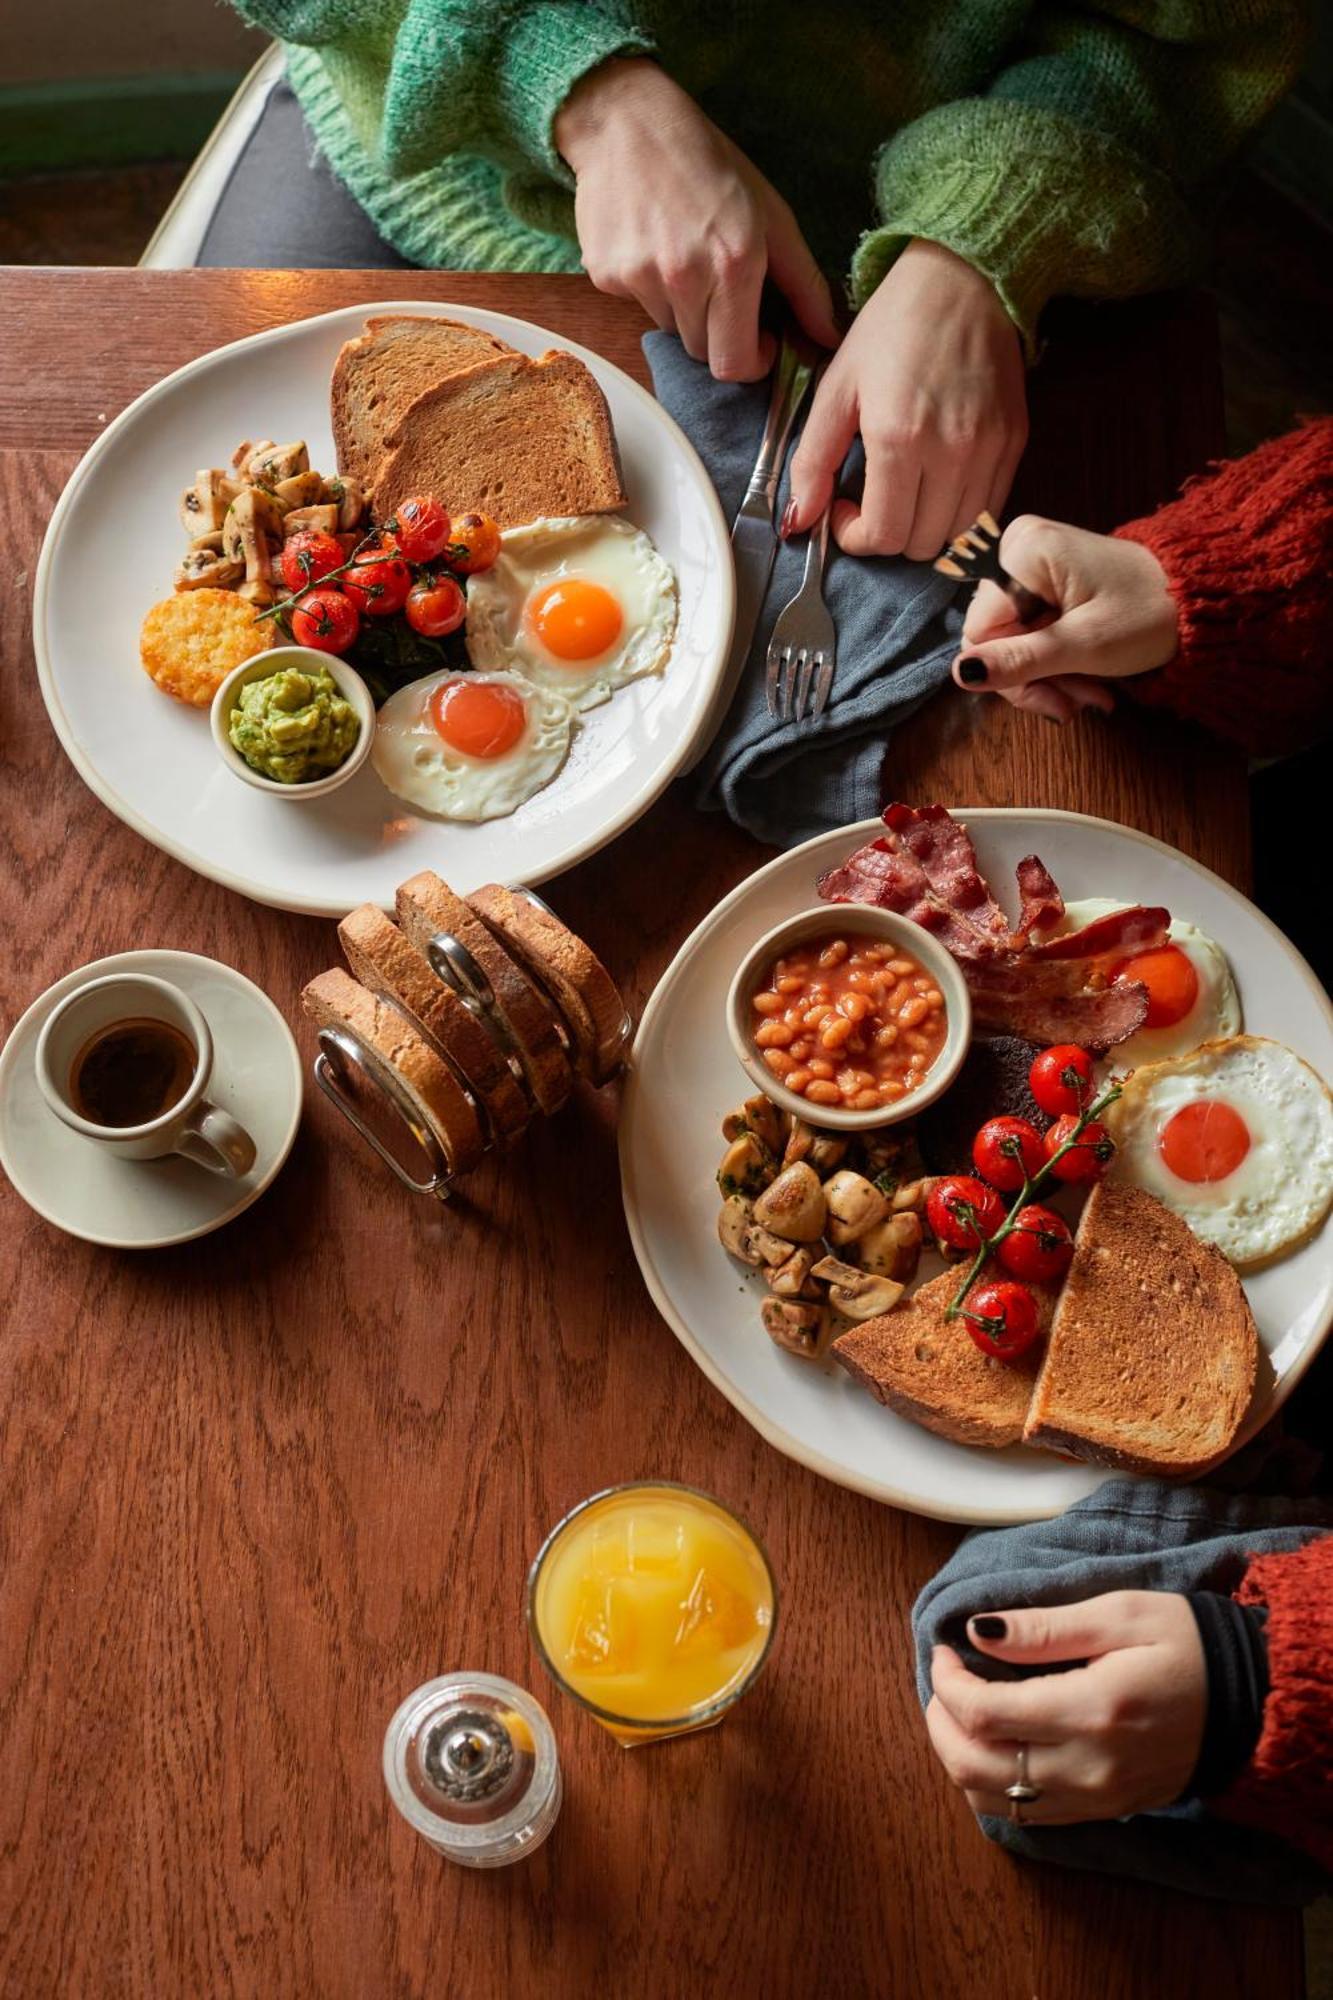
1115, 617
670, 213
931, 375
1118, 1735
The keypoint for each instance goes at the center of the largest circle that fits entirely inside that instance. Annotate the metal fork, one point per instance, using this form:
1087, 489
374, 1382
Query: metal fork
802, 652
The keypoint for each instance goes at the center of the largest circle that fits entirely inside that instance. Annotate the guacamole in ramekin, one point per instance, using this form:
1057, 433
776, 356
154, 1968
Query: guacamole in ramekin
293, 725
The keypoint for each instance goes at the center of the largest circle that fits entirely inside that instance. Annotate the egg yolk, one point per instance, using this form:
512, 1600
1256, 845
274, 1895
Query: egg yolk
1172, 983
478, 718
574, 619
1204, 1142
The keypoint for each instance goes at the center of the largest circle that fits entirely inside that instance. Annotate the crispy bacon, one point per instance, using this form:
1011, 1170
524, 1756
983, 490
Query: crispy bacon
925, 867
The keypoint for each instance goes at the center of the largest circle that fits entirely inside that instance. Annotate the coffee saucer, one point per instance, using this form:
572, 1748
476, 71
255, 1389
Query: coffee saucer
150, 1204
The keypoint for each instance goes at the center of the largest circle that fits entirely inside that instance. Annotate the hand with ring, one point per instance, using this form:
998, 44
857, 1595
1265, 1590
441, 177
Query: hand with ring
1117, 1731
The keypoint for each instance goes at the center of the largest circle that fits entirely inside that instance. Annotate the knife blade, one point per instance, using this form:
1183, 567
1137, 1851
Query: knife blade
754, 542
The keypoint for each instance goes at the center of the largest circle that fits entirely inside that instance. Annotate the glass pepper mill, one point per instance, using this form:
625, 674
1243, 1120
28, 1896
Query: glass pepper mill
470, 1762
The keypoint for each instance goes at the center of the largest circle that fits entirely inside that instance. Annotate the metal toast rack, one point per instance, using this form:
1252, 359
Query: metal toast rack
345, 1064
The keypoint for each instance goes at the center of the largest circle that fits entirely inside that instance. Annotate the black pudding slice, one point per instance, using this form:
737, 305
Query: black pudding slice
992, 1082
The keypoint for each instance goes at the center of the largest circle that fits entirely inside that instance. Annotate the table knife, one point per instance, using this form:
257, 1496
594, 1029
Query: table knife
754, 541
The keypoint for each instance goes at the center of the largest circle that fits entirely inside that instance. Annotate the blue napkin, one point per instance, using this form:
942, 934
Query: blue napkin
1131, 1534
898, 627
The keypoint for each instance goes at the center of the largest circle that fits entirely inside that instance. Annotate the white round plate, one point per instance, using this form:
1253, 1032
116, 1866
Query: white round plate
111, 550
684, 1077
150, 1204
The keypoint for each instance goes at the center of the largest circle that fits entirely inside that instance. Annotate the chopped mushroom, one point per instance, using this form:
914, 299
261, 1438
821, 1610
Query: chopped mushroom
322, 519
204, 505
252, 521
756, 1115
791, 1280
349, 498
854, 1206
793, 1206
747, 1167
867, 1298
734, 1231
205, 566
303, 489
822, 1149
891, 1249
793, 1325
269, 463
912, 1196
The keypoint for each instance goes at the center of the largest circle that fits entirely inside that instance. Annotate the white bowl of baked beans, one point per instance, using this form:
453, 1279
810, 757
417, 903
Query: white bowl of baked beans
849, 1016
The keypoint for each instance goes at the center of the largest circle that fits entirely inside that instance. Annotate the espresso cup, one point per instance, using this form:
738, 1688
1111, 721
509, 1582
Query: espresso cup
189, 1125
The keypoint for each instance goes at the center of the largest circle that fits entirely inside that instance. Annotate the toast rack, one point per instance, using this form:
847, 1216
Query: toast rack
345, 1061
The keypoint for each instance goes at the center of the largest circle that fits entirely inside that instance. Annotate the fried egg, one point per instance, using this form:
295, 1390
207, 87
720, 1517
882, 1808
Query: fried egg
470, 746
577, 606
1192, 996
1236, 1137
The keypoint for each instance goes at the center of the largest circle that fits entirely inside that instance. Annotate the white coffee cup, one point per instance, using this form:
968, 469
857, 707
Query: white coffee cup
192, 1126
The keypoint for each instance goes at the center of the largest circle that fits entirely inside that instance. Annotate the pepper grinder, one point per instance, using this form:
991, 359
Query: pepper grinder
470, 1762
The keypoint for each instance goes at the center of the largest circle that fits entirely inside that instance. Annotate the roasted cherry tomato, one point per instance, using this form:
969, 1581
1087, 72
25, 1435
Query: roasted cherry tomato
1007, 1151
326, 620
436, 606
309, 556
1038, 1247
474, 543
963, 1212
1087, 1159
1001, 1318
1061, 1079
377, 583
419, 529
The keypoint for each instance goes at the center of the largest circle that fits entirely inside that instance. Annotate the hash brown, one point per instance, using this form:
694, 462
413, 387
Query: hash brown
190, 642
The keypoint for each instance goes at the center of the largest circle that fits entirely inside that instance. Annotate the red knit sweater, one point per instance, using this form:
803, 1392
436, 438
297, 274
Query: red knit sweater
1287, 1787
1248, 553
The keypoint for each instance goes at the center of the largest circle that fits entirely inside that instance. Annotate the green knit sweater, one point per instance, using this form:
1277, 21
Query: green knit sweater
1060, 147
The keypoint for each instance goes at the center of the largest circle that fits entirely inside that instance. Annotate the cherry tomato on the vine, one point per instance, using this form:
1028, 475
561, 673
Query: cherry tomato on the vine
436, 606
1007, 1151
419, 529
1089, 1156
1001, 1318
377, 582
326, 620
309, 556
474, 543
963, 1212
1061, 1079
1038, 1247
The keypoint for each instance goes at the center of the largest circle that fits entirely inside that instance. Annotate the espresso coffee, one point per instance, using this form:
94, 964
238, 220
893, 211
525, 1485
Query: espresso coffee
130, 1072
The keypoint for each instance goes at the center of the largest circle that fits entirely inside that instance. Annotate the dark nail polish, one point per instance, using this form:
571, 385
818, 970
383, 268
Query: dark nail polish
788, 525
973, 672
987, 1626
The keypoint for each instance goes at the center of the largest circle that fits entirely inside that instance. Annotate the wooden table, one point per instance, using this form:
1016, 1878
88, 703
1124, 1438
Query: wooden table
256, 1489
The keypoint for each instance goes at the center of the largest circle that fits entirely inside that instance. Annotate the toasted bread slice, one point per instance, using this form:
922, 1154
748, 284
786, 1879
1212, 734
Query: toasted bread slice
426, 906
929, 1368
385, 962
512, 438
1152, 1357
334, 1000
380, 374
567, 969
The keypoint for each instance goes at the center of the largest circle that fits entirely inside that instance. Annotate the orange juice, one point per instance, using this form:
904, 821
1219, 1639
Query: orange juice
654, 1607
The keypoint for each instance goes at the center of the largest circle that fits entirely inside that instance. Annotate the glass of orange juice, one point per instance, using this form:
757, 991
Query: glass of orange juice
654, 1607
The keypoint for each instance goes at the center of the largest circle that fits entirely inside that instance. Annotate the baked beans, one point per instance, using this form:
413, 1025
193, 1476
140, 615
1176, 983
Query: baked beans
849, 1021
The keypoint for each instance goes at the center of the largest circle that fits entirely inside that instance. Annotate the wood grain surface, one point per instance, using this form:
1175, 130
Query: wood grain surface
257, 1488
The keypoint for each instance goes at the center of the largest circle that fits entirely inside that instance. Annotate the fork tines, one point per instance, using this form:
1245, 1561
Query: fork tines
975, 553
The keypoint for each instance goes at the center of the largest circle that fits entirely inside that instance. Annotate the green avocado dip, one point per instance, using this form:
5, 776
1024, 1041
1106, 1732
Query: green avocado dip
293, 726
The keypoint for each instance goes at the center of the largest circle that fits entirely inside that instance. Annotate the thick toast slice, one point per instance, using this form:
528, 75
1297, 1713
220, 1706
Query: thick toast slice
512, 438
425, 906
579, 984
335, 1000
929, 1368
379, 375
1151, 1362
386, 963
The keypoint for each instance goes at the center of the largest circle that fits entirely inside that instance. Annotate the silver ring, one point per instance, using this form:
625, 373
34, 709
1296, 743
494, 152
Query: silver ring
1022, 1792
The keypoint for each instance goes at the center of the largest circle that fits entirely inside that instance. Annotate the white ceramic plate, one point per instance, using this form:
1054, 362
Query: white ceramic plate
684, 1077
112, 547
149, 1204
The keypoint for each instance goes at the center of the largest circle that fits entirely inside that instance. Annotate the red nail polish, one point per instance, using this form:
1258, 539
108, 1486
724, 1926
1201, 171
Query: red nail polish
788, 524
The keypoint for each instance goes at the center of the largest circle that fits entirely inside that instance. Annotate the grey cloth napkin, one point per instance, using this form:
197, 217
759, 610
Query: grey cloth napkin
1130, 1535
898, 627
